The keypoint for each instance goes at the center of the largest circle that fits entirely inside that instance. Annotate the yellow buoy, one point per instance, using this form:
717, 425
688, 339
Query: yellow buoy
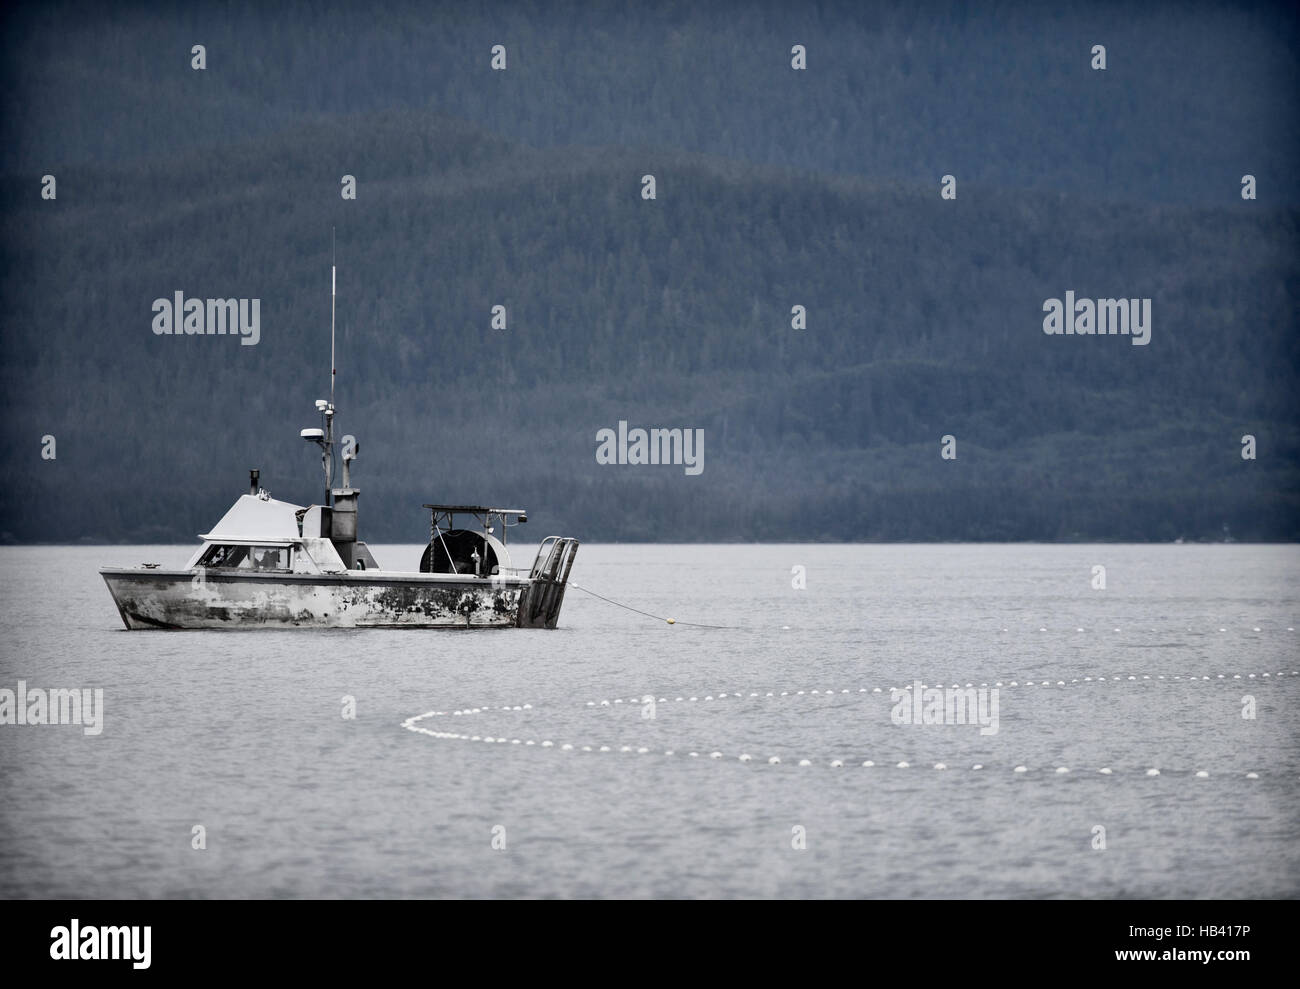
671, 621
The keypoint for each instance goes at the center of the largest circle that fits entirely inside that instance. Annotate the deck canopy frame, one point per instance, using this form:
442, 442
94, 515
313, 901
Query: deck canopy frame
442, 518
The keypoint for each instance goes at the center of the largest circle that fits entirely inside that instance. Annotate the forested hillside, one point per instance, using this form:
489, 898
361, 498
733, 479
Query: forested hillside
523, 189
1194, 94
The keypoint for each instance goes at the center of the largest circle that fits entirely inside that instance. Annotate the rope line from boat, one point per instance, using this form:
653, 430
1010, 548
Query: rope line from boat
658, 618
437, 532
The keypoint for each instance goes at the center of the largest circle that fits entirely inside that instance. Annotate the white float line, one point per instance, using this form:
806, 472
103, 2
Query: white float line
412, 724
1159, 631
842, 691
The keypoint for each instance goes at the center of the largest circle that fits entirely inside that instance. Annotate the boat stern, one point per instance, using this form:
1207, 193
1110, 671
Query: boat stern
539, 605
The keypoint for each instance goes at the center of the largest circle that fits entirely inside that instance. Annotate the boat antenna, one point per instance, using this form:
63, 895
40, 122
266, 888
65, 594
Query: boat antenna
333, 289
329, 409
325, 438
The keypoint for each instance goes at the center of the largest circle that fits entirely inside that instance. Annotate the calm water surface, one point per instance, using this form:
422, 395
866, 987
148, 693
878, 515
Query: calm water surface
242, 733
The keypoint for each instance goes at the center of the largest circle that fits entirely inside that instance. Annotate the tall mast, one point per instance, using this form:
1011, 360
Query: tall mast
325, 438
333, 286
329, 409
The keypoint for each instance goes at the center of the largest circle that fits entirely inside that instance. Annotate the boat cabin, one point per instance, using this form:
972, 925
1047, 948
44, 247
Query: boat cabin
261, 534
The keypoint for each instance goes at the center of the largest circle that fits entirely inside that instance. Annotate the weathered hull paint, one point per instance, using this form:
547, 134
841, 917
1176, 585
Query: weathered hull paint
183, 599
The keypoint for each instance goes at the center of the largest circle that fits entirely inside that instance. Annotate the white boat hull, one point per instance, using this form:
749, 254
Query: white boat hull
184, 599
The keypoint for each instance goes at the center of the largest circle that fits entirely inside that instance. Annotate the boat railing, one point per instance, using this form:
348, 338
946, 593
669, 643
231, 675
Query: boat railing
554, 559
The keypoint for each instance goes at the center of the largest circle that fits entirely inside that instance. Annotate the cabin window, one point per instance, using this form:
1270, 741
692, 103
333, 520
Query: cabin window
262, 558
270, 557
226, 557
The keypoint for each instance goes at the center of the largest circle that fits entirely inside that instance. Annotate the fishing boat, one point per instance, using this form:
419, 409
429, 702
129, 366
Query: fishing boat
270, 563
